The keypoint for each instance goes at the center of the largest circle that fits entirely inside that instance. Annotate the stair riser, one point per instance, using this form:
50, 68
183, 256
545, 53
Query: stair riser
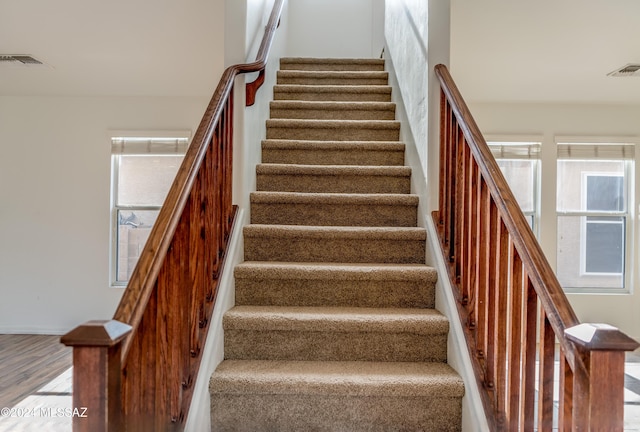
295, 413
329, 292
333, 346
334, 215
331, 81
333, 114
334, 134
338, 96
331, 184
334, 250
305, 66
315, 156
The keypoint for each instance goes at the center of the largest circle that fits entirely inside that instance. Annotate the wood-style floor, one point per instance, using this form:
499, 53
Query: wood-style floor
27, 363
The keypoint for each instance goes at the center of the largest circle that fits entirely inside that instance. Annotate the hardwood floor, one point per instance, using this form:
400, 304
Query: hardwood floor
28, 362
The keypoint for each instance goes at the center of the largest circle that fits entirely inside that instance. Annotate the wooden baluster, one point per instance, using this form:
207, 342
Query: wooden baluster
450, 228
229, 172
494, 245
565, 408
97, 372
217, 200
484, 264
515, 344
443, 162
448, 182
529, 332
501, 303
473, 236
599, 386
545, 380
209, 229
459, 212
466, 267
197, 259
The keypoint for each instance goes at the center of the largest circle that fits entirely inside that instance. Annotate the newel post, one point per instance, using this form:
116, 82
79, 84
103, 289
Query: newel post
599, 387
97, 398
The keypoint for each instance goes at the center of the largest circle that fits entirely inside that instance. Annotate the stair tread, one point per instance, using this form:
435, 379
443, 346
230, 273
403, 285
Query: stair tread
333, 124
353, 378
333, 88
336, 271
343, 232
336, 319
333, 105
332, 73
334, 198
368, 170
338, 145
331, 60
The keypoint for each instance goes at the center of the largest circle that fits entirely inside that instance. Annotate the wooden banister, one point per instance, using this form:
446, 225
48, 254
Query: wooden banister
158, 330
510, 302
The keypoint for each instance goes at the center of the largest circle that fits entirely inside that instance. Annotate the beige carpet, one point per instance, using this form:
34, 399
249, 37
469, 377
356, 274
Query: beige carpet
334, 327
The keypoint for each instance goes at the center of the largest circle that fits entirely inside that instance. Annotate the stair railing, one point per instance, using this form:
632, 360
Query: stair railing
512, 308
137, 371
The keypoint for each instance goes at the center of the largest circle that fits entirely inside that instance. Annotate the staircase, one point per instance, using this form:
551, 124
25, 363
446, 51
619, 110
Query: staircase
334, 327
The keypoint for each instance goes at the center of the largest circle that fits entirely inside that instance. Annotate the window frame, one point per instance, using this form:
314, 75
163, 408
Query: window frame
610, 147
117, 142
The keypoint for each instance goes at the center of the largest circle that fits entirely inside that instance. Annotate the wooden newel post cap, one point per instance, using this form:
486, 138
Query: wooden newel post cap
97, 333
600, 337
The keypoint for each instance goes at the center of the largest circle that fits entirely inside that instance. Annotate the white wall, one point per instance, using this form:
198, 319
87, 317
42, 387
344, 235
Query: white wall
417, 39
55, 195
549, 121
335, 28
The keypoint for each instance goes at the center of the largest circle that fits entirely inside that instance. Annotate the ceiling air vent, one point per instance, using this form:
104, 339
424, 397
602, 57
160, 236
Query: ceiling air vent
626, 71
19, 60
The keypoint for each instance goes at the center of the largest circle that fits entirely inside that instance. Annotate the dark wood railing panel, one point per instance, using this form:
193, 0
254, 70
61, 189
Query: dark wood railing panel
546, 356
515, 345
510, 303
527, 385
170, 297
565, 406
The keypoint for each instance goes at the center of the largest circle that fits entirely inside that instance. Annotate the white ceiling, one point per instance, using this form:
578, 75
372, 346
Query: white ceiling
502, 50
113, 48
545, 50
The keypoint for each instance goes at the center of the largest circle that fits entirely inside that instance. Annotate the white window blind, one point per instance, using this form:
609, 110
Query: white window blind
586, 151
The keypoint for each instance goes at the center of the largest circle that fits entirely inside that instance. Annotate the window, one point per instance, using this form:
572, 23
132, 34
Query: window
519, 163
603, 248
142, 171
594, 235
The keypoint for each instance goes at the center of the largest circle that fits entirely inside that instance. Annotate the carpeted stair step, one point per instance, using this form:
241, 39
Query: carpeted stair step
289, 396
332, 110
334, 327
335, 334
324, 284
334, 130
324, 209
334, 244
333, 178
332, 77
355, 93
304, 152
329, 64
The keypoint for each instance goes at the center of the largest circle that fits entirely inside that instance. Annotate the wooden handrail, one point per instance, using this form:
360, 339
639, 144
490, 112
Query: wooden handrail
159, 327
509, 299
